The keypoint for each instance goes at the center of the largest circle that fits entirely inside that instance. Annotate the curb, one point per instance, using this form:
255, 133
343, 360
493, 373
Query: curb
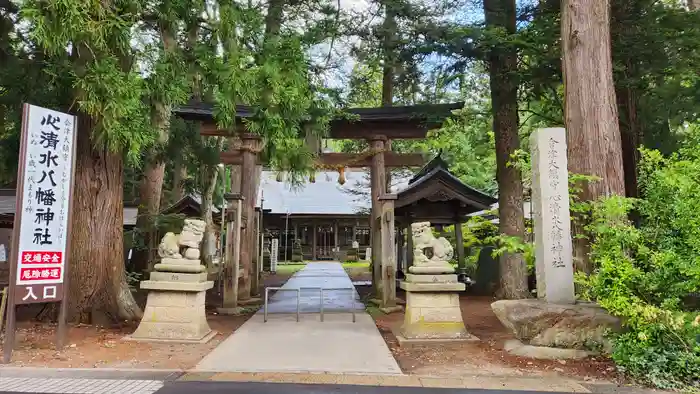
497, 382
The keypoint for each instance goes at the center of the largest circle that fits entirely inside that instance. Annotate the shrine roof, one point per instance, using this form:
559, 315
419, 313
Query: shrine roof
323, 197
435, 184
190, 201
394, 122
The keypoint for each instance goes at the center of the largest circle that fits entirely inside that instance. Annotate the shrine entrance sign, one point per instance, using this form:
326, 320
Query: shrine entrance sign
40, 240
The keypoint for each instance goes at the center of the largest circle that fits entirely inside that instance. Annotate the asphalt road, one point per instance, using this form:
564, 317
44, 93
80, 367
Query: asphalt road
284, 388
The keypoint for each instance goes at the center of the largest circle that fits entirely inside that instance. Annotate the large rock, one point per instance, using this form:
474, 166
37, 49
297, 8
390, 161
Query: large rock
536, 322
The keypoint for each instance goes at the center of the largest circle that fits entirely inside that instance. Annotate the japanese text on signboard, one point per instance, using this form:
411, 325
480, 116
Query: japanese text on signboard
45, 201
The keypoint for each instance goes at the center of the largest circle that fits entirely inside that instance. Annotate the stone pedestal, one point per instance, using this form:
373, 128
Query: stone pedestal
175, 310
433, 314
432, 310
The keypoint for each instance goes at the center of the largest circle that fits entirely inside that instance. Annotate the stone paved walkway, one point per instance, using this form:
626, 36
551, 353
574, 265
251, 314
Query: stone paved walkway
336, 345
79, 386
309, 279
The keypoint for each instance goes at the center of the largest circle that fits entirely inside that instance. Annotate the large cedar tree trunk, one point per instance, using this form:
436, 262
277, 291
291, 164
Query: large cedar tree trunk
179, 177
625, 17
593, 134
630, 133
503, 67
97, 285
149, 205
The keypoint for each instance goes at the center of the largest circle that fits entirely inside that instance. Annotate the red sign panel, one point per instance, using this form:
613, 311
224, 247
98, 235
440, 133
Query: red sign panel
42, 258
40, 274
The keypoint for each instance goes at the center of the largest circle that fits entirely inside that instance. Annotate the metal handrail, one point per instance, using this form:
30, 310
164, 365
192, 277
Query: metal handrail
321, 292
267, 292
352, 296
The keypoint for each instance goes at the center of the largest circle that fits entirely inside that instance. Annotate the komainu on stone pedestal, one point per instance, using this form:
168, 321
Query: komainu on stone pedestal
439, 249
433, 314
177, 290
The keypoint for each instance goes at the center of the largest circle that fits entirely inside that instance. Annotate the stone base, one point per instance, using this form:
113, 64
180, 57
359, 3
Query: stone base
440, 278
579, 326
432, 269
206, 339
189, 268
174, 316
177, 286
517, 348
432, 287
433, 316
177, 277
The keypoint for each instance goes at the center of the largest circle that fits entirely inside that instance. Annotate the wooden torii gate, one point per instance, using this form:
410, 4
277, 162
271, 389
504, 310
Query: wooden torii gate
376, 126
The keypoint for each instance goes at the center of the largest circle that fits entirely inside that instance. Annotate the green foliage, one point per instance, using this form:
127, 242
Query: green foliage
90, 47
649, 276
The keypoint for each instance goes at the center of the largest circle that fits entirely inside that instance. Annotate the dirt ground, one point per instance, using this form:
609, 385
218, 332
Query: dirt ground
94, 347
485, 356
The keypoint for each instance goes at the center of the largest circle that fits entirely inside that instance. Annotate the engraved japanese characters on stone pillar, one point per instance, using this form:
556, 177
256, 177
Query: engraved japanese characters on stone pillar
550, 200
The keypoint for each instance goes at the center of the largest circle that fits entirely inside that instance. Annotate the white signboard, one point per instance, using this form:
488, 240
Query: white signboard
274, 252
46, 180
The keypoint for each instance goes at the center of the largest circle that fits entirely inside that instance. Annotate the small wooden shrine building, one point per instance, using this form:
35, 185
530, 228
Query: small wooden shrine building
435, 195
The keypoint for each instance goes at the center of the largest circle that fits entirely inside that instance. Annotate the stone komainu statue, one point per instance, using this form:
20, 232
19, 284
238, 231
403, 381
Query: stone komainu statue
423, 240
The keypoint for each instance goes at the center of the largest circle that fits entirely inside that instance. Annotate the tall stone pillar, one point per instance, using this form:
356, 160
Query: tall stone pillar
550, 199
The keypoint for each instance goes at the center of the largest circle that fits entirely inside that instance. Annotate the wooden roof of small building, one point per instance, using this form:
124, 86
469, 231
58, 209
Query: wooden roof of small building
434, 194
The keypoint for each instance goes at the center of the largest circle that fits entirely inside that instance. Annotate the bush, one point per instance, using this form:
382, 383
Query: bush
644, 274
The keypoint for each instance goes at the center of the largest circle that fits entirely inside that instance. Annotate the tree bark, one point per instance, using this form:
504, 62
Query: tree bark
503, 67
593, 133
625, 17
179, 177
694, 5
97, 277
630, 134
149, 206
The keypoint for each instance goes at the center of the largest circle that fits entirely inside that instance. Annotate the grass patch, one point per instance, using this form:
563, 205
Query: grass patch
357, 264
290, 269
